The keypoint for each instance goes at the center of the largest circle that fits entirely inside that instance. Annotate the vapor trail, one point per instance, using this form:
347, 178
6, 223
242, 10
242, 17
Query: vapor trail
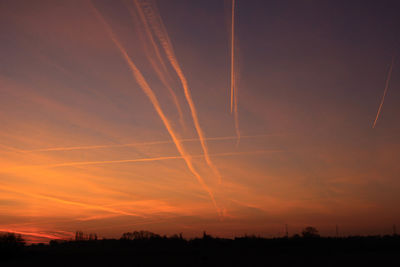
155, 22
9, 148
69, 202
234, 93
108, 161
152, 97
222, 138
232, 53
90, 206
101, 162
236, 117
163, 71
384, 92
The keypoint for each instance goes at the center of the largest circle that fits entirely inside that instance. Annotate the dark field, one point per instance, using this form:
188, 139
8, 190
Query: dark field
208, 251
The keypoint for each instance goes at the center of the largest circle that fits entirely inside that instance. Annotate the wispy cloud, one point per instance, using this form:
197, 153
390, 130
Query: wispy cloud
33, 234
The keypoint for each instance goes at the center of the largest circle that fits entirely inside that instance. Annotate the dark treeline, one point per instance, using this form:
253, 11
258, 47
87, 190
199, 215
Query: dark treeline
143, 248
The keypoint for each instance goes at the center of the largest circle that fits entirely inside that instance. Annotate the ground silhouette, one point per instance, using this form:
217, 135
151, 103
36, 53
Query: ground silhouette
143, 248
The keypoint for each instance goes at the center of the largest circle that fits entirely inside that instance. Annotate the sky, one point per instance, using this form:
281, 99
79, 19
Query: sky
138, 115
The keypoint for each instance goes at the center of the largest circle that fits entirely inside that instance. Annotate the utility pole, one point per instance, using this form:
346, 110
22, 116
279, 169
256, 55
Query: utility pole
394, 230
337, 231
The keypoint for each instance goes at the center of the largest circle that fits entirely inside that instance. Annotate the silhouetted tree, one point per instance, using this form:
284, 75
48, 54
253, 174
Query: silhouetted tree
10, 242
80, 236
206, 236
127, 236
139, 235
310, 232
92, 236
176, 236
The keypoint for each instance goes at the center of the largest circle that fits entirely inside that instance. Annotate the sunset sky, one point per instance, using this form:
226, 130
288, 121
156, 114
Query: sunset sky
116, 116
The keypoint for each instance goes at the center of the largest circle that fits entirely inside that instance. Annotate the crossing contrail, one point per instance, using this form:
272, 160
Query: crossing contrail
102, 162
153, 99
155, 24
89, 147
384, 92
